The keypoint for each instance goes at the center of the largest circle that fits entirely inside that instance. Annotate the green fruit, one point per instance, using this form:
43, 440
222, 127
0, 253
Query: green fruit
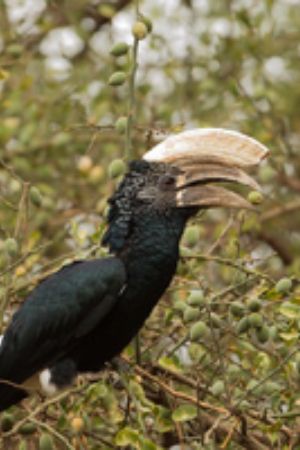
119, 49
273, 332
7, 421
284, 285
266, 174
147, 22
254, 304
35, 196
198, 331
218, 388
233, 371
196, 298
27, 429
117, 78
263, 334
180, 305
255, 387
191, 236
191, 314
215, 320
11, 247
107, 11
270, 387
61, 139
46, 442
121, 124
237, 309
14, 50
243, 325
283, 350
256, 320
244, 406
255, 197
116, 168
139, 30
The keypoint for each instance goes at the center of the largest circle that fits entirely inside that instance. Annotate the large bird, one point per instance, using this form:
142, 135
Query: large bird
84, 315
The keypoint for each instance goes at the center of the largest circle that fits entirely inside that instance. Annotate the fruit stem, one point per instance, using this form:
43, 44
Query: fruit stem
131, 98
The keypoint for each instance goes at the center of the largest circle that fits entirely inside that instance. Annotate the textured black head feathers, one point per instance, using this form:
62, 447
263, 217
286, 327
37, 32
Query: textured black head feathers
121, 206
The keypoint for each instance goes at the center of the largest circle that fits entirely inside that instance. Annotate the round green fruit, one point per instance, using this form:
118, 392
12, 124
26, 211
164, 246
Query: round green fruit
243, 325
196, 298
179, 305
14, 50
116, 168
61, 139
139, 30
7, 421
255, 197
27, 429
274, 335
237, 309
119, 49
121, 124
254, 305
215, 320
283, 286
147, 22
117, 78
263, 334
191, 314
191, 236
198, 331
244, 406
11, 247
46, 442
256, 320
35, 196
218, 388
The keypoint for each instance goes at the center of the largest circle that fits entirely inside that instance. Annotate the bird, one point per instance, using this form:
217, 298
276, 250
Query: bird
82, 316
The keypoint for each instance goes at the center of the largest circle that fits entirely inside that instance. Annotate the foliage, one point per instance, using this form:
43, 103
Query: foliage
233, 64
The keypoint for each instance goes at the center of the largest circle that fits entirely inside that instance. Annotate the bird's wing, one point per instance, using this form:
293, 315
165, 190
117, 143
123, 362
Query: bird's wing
63, 308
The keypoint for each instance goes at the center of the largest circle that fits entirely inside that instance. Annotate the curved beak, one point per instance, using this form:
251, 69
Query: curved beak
207, 156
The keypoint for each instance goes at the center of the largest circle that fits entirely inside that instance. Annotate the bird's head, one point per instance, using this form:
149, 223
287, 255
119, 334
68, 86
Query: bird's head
180, 175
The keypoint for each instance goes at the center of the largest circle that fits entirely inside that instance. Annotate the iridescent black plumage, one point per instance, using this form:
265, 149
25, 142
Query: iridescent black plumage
86, 313
89, 311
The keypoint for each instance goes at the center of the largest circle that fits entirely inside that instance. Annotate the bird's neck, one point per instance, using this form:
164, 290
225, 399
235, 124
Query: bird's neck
151, 253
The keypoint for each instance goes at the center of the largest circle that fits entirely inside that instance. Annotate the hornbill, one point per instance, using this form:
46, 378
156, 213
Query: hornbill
82, 316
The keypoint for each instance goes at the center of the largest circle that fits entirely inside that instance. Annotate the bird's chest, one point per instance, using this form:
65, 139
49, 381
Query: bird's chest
148, 278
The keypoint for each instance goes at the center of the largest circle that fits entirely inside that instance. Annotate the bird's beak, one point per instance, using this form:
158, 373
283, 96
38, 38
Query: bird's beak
207, 156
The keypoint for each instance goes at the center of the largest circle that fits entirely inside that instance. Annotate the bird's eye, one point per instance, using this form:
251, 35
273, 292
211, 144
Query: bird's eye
166, 181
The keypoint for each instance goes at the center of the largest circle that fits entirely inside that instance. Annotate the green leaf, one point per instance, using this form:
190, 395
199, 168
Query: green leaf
170, 363
290, 336
184, 413
163, 425
146, 444
128, 436
290, 310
